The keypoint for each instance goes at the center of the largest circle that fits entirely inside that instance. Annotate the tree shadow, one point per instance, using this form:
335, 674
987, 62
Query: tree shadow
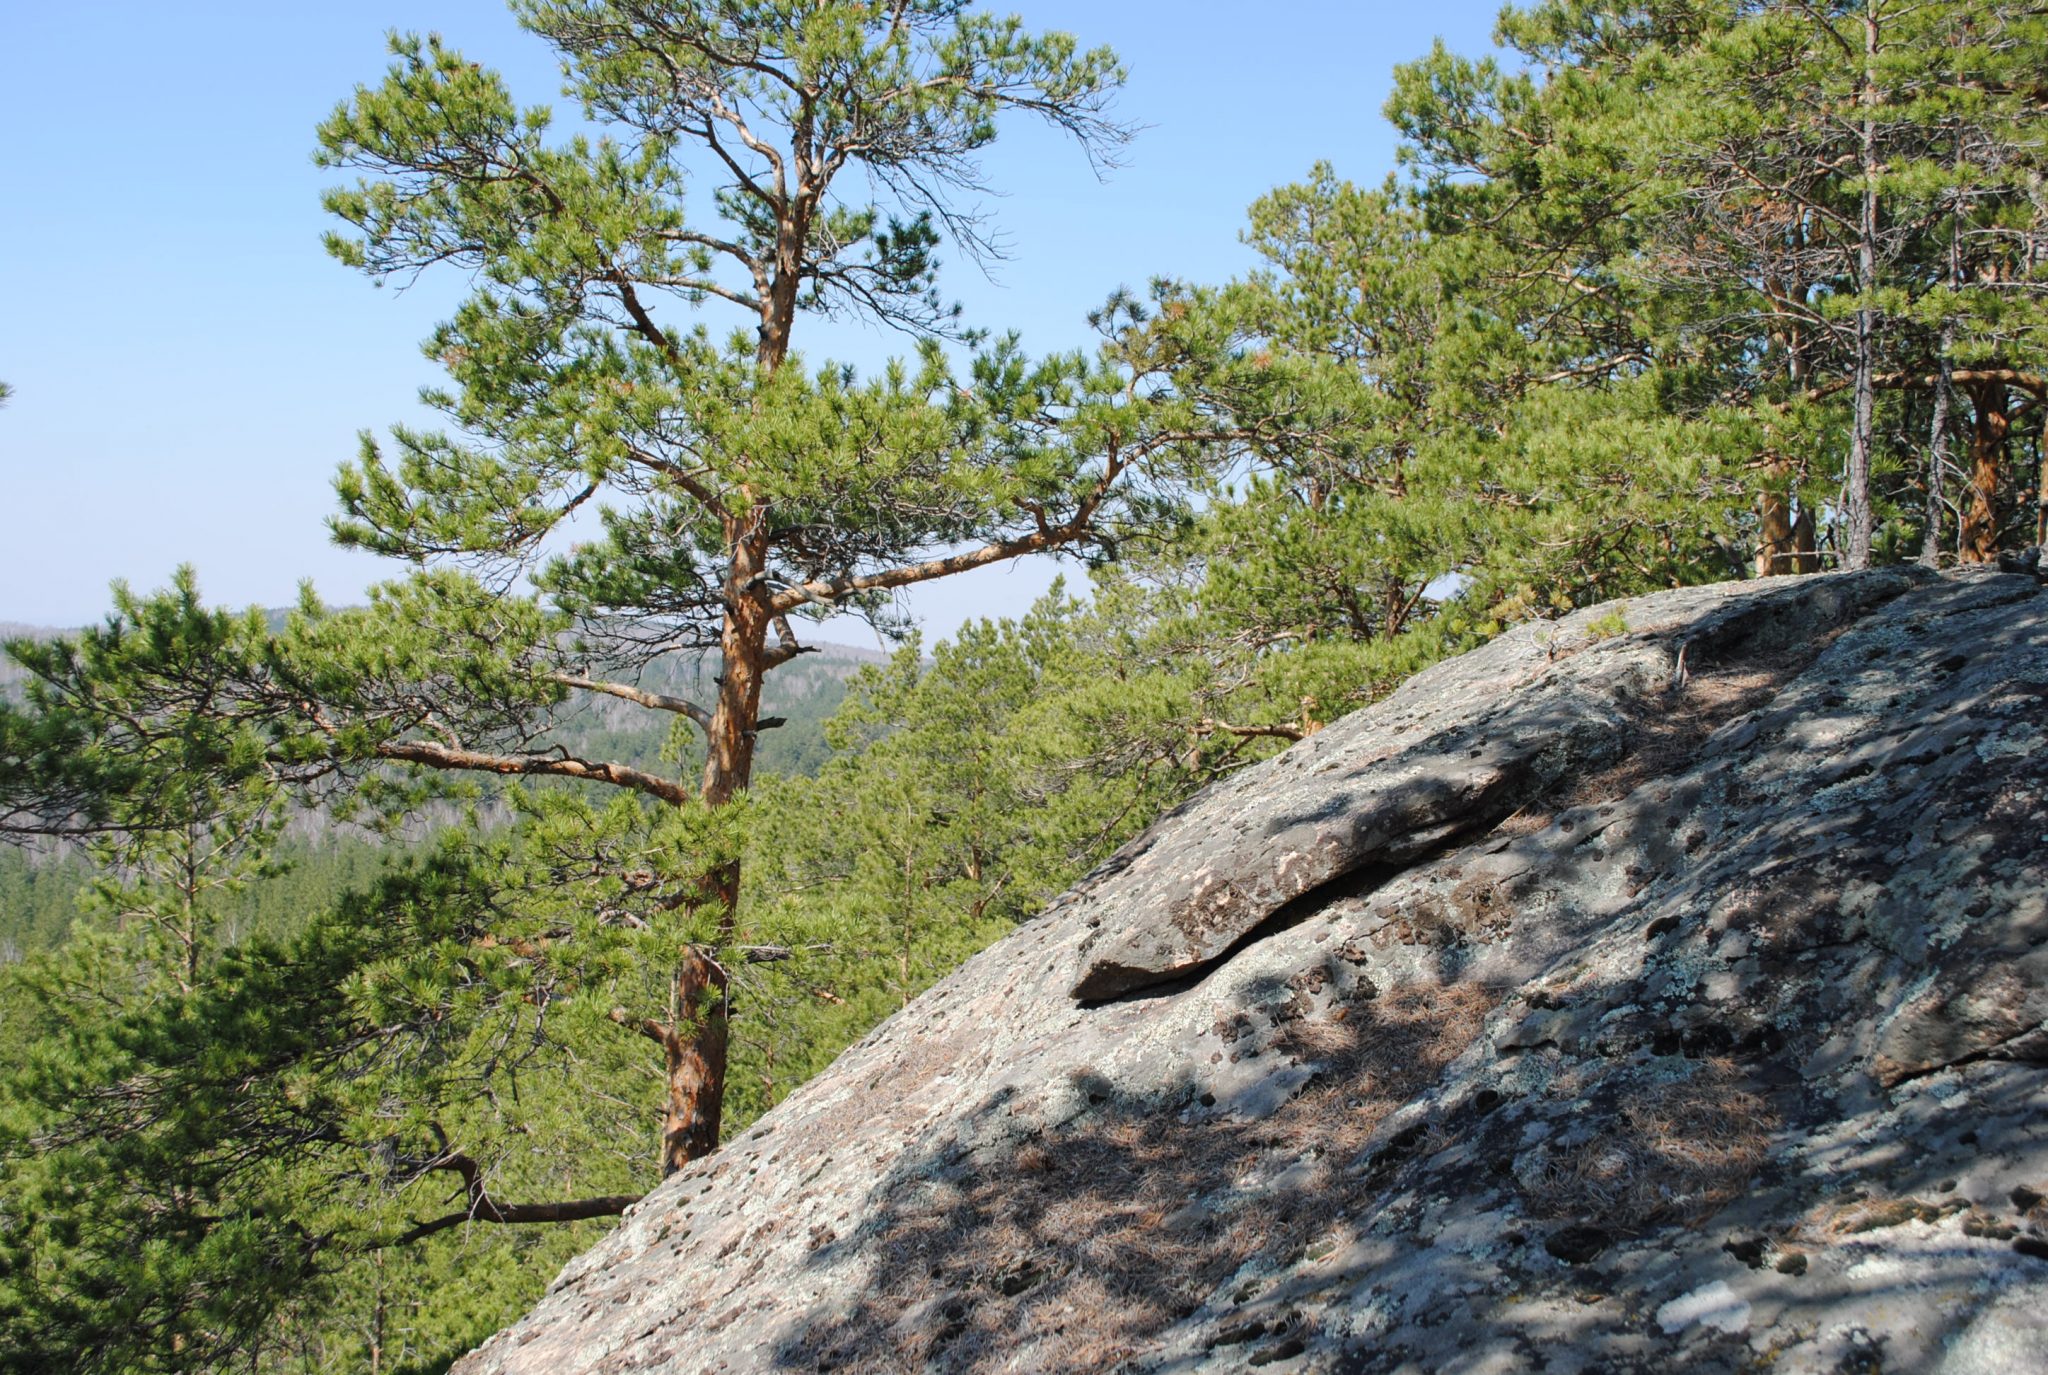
1081, 1244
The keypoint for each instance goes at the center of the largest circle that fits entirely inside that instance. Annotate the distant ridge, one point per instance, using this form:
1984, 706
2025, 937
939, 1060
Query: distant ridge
12, 630
804, 692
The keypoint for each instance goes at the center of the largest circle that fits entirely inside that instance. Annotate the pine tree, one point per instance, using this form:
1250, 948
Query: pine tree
738, 491
1774, 191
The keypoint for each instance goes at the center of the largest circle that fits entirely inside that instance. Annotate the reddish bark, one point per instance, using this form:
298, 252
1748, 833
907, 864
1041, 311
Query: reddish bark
1774, 535
1785, 537
694, 1047
1805, 543
1983, 510
742, 664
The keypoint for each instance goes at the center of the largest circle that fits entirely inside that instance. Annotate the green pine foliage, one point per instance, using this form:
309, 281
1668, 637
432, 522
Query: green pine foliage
195, 1152
1763, 211
38, 899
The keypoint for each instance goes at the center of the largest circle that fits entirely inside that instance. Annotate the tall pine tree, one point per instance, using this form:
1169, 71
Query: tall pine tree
737, 491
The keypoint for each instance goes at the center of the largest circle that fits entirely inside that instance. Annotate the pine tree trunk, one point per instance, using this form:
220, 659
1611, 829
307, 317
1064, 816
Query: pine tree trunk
1856, 514
696, 1040
1774, 553
697, 1037
2041, 498
1944, 402
377, 1322
1982, 516
1785, 540
1805, 542
742, 655
694, 1049
1937, 451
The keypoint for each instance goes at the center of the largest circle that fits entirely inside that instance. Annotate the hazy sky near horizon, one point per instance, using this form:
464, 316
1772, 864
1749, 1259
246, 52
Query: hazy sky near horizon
190, 367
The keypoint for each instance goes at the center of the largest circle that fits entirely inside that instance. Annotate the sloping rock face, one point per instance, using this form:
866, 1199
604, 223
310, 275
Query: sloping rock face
1646, 999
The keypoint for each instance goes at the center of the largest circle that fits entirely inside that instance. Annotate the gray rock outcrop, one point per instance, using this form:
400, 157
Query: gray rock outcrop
1663, 988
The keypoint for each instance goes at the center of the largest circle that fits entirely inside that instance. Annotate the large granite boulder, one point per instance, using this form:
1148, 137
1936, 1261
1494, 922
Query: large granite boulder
1658, 989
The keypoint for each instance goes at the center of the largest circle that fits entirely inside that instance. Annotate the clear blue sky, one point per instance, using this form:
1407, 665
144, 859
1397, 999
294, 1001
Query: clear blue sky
189, 367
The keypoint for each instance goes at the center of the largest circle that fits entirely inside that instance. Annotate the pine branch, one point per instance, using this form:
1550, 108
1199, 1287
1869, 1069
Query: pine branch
481, 1207
1915, 381
1210, 725
656, 701
435, 756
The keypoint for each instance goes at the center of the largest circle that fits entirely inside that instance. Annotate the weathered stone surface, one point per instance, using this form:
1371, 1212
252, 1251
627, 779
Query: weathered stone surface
1670, 999
1447, 757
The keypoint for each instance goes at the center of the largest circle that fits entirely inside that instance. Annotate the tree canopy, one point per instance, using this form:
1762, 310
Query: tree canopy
737, 490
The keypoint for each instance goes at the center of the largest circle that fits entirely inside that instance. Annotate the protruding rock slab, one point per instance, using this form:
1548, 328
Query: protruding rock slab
1445, 759
1716, 1045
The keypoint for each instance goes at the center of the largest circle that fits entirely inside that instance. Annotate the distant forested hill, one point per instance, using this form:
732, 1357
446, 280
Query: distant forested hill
40, 887
10, 672
804, 693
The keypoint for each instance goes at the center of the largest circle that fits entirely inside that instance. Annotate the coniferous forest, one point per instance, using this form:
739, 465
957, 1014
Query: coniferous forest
362, 962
